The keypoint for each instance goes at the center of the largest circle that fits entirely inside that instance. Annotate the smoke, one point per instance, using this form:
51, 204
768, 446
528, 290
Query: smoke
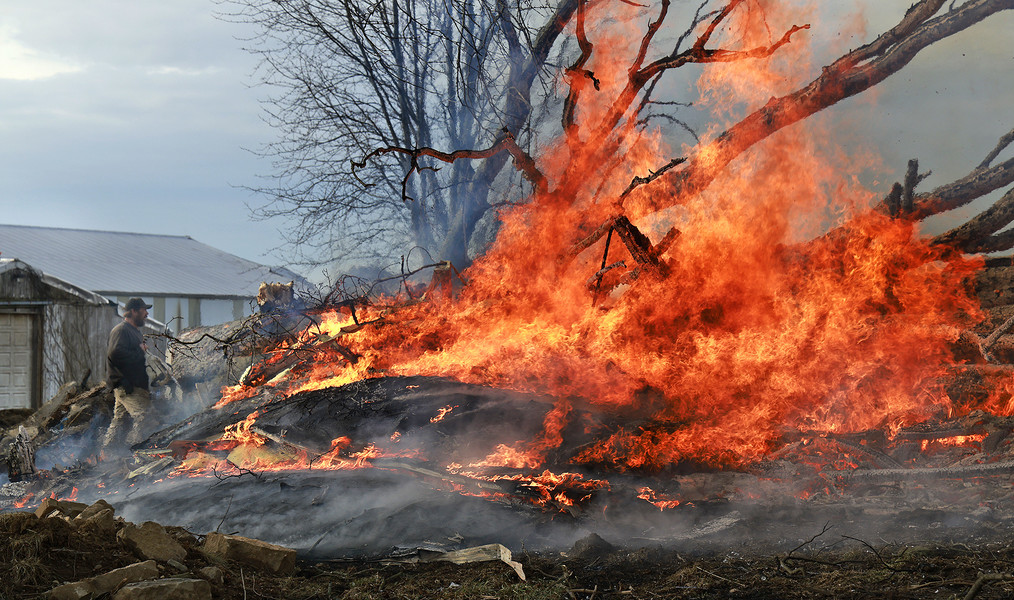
360, 513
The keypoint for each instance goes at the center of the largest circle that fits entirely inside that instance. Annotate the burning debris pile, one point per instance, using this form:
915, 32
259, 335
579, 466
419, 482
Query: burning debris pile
738, 346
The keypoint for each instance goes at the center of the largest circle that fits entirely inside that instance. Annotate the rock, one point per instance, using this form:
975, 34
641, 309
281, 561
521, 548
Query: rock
67, 508
180, 567
79, 590
105, 583
590, 547
150, 540
256, 553
101, 523
212, 574
171, 588
136, 572
94, 509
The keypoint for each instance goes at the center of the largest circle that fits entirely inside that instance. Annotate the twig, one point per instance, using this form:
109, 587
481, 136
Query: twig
877, 554
941, 582
983, 580
652, 175
225, 516
827, 527
717, 576
1003, 143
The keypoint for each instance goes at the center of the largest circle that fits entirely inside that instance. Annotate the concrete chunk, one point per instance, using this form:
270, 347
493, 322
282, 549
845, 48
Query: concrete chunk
172, 588
101, 522
79, 590
212, 574
94, 509
66, 508
150, 540
105, 583
141, 571
256, 553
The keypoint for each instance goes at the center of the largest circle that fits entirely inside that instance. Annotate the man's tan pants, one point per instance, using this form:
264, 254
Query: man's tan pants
132, 418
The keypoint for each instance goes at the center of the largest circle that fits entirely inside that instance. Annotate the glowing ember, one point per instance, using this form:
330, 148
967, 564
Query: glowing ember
442, 413
954, 440
660, 500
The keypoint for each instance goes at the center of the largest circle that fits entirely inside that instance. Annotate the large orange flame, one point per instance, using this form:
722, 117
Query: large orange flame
756, 323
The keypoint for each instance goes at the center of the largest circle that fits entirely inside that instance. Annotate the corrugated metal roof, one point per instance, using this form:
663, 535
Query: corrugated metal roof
88, 296
116, 263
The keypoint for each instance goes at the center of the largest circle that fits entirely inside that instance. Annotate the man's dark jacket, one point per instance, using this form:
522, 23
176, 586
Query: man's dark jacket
125, 358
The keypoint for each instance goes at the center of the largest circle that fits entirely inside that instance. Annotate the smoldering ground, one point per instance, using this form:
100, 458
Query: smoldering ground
374, 511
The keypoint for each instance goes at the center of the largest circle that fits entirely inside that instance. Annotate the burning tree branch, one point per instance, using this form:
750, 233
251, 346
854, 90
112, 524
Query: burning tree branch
851, 74
639, 76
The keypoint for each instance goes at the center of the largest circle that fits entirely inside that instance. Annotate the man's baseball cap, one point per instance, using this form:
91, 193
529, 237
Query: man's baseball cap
135, 303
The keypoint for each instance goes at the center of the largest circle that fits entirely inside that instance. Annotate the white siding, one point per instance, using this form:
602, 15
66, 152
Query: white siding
177, 313
215, 311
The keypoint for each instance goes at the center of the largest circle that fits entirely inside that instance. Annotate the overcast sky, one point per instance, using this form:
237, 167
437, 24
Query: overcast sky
135, 115
131, 116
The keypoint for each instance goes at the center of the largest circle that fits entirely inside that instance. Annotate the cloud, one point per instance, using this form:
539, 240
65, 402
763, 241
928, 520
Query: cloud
19, 62
171, 70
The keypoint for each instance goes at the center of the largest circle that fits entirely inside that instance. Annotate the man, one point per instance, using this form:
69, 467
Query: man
128, 378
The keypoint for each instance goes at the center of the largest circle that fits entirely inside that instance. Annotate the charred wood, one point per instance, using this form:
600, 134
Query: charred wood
922, 473
21, 457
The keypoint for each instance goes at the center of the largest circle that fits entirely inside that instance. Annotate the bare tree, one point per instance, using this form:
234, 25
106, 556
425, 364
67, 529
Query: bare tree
355, 76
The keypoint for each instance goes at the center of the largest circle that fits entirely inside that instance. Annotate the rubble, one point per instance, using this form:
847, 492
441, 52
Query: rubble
105, 583
150, 540
64, 507
172, 588
269, 557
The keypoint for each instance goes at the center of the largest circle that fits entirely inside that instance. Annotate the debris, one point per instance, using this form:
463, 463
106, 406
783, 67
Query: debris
105, 583
101, 522
21, 457
475, 554
151, 468
276, 559
171, 588
591, 546
64, 507
99, 506
212, 574
150, 540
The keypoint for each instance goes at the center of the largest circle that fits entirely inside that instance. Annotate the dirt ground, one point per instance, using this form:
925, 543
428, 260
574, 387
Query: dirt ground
38, 554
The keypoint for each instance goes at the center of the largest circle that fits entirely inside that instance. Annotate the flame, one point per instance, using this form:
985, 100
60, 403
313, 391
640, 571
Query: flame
954, 440
785, 303
660, 500
441, 413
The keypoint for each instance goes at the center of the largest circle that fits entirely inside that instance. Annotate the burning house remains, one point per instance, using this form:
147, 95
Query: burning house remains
733, 347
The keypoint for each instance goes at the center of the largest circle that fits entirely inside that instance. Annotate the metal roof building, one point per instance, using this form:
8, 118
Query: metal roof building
187, 282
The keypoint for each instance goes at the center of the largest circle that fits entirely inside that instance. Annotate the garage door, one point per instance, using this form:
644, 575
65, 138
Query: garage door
16, 360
